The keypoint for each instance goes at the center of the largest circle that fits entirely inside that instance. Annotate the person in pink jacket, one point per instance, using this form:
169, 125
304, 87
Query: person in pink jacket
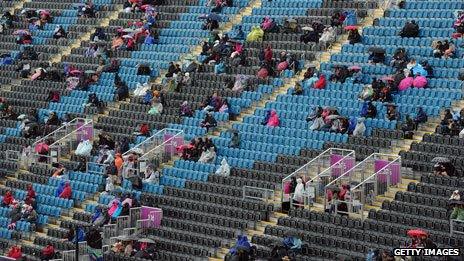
273, 120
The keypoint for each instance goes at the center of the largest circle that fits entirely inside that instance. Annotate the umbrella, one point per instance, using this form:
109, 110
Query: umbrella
126, 238
307, 28
75, 72
291, 20
387, 78
355, 68
417, 233
21, 32
127, 30
137, 151
351, 27
455, 202
190, 57
41, 147
126, 36
147, 7
441, 160
333, 117
146, 240
333, 188
378, 50
214, 17
43, 12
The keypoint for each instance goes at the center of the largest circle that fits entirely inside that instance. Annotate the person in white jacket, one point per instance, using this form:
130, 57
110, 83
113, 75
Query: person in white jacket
109, 184
224, 169
298, 195
360, 128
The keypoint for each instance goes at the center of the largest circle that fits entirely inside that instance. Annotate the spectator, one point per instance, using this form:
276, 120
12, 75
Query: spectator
15, 252
450, 51
8, 199
408, 127
59, 32
208, 122
392, 113
292, 244
410, 29
309, 35
67, 191
238, 34
224, 169
98, 35
152, 176
208, 156
144, 130
48, 252
156, 108
273, 119
298, 196
185, 110
360, 128
455, 195
109, 184
354, 37
458, 211
235, 140
421, 117
30, 191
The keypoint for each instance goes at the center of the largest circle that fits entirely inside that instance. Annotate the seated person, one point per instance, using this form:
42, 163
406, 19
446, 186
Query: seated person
208, 122
410, 29
59, 32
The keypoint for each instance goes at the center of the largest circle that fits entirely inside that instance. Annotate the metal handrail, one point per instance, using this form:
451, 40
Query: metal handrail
179, 132
76, 120
266, 191
379, 171
357, 165
351, 154
452, 221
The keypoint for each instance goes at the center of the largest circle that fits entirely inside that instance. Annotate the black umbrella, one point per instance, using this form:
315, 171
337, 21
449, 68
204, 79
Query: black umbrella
214, 17
378, 50
453, 202
441, 160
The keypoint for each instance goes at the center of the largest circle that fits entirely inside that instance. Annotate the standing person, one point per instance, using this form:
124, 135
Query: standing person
298, 195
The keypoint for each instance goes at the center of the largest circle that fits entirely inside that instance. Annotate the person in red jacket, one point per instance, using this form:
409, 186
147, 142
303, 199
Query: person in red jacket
7, 199
15, 252
67, 191
48, 252
321, 83
30, 191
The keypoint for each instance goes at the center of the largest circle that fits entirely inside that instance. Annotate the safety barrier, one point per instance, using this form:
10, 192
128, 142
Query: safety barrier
62, 140
70, 255
249, 192
372, 177
453, 223
139, 218
318, 172
157, 149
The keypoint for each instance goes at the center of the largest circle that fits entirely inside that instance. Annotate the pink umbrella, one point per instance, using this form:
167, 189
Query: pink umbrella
354, 68
44, 12
351, 27
41, 148
456, 35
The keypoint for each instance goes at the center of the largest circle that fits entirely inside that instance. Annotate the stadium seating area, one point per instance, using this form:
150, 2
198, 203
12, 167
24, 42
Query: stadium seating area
204, 212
